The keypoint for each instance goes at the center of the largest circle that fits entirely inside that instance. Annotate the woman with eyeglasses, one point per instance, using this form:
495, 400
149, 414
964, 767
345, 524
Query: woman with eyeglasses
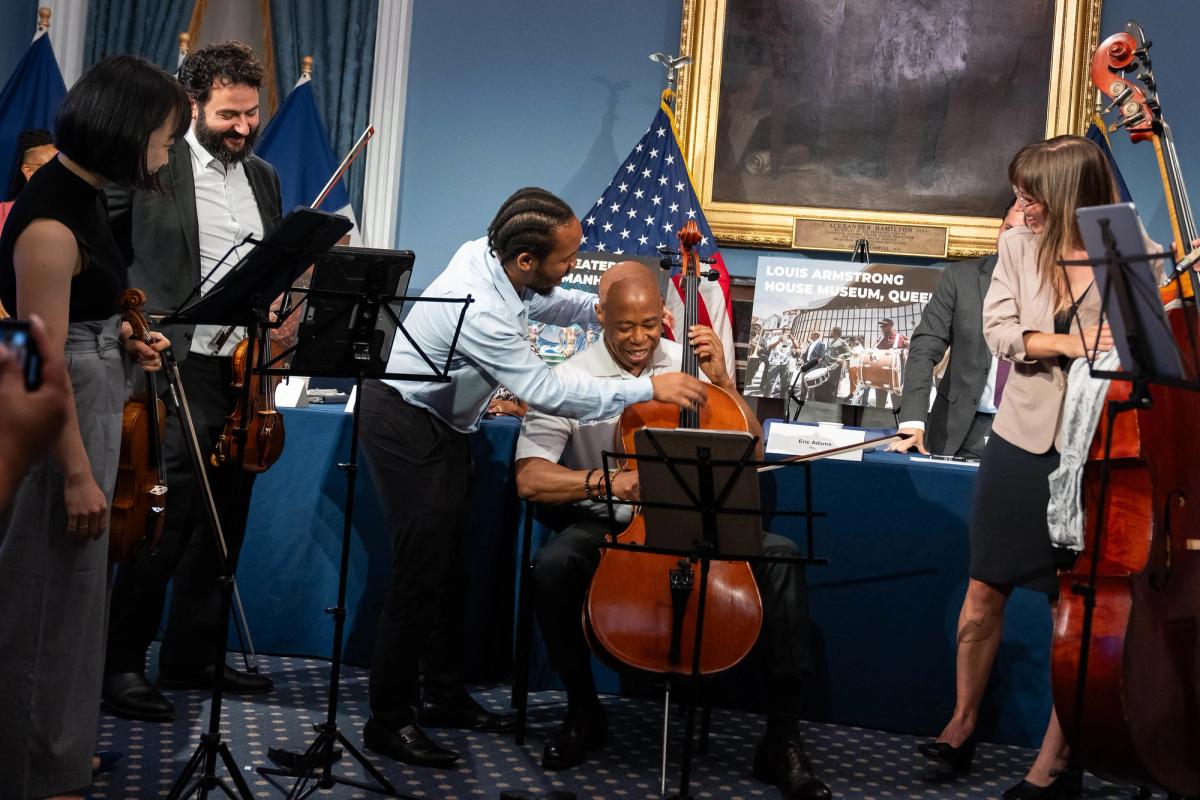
1033, 318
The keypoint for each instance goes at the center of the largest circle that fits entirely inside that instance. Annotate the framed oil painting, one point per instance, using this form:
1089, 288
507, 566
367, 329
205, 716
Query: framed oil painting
809, 123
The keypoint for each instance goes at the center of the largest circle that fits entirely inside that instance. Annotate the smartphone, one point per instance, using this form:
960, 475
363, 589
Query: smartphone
16, 336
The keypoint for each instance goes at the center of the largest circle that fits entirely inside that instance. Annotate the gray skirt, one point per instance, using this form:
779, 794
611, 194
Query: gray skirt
53, 603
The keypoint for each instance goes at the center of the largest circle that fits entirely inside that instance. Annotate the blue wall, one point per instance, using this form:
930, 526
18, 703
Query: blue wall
16, 33
504, 94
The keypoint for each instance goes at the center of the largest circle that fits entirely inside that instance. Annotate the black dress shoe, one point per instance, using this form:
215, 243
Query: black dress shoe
1066, 786
581, 732
294, 761
130, 695
957, 758
780, 760
235, 681
462, 713
408, 744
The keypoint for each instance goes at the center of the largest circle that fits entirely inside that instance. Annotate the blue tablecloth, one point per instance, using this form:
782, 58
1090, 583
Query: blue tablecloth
289, 565
884, 607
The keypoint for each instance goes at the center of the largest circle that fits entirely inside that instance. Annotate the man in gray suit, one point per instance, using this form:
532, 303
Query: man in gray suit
215, 193
966, 395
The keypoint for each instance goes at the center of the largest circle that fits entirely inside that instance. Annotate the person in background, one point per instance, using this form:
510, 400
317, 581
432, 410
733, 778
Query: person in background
34, 149
59, 261
969, 391
1037, 317
835, 356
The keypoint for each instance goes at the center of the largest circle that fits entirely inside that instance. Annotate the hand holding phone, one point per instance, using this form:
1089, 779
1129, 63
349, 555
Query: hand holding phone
34, 393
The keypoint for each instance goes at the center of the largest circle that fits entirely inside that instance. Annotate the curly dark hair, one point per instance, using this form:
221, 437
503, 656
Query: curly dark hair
229, 63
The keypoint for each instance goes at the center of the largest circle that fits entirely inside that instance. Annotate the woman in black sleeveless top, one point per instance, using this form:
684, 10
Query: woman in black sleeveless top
59, 261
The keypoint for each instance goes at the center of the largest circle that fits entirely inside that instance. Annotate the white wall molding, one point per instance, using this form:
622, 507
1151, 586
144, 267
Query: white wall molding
389, 89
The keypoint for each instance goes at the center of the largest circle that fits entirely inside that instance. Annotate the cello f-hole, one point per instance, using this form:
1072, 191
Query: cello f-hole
1159, 581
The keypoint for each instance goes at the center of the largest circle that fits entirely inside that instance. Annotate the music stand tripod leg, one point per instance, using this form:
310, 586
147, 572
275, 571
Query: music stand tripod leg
319, 754
211, 744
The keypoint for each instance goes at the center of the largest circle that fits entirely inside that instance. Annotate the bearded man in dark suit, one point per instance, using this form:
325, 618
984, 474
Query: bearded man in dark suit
215, 193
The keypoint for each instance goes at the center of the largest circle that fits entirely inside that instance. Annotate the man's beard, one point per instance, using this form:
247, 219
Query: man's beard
214, 142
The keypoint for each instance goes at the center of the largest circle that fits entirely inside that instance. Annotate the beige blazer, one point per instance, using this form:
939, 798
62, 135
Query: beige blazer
1017, 303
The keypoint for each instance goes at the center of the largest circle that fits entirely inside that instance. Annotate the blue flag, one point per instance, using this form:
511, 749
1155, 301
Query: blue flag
29, 100
297, 145
1097, 133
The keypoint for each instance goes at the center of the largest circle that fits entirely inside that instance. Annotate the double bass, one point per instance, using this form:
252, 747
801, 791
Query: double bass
641, 609
139, 503
1140, 716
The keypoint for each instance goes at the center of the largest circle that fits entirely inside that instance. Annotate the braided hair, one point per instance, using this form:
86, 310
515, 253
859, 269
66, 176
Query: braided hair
526, 223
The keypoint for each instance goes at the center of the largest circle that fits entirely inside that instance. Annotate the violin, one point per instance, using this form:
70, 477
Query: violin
641, 609
1141, 698
260, 426
139, 506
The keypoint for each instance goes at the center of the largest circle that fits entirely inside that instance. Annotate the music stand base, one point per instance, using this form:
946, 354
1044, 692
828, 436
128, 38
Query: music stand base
211, 747
317, 771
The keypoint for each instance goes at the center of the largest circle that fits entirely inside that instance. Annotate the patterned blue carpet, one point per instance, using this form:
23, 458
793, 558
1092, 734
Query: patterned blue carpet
859, 764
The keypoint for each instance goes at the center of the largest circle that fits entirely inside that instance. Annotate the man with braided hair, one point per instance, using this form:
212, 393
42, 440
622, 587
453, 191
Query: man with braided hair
416, 446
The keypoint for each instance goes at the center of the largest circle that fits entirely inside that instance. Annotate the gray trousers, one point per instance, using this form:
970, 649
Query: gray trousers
53, 592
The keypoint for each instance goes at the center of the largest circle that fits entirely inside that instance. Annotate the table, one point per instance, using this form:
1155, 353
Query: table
884, 607
289, 564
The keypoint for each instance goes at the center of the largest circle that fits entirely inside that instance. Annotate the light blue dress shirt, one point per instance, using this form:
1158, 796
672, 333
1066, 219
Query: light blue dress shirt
493, 348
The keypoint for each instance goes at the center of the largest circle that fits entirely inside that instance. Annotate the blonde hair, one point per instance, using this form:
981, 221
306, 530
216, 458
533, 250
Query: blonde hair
1064, 174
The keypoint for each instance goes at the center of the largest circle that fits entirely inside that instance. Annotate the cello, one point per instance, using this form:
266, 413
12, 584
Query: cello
1140, 715
140, 499
641, 610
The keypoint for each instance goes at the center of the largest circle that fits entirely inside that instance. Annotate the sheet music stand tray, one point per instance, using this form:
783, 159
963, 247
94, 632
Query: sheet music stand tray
707, 498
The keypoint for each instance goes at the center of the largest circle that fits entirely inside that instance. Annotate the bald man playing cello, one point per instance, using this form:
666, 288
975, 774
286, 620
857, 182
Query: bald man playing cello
559, 465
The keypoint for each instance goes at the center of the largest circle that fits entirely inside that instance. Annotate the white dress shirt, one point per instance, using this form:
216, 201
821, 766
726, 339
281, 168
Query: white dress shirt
493, 348
226, 213
985, 405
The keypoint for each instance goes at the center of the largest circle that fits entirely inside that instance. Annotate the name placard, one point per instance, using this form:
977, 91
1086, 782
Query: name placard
792, 439
885, 239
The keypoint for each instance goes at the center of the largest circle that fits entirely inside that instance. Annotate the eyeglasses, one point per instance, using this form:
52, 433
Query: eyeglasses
1024, 200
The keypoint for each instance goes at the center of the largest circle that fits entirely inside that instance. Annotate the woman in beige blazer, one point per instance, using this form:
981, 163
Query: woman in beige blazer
1036, 320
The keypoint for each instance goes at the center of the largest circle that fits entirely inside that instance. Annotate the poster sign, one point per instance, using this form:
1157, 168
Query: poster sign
833, 331
555, 344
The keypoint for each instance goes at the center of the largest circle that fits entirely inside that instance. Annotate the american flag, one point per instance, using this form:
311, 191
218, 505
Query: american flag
649, 199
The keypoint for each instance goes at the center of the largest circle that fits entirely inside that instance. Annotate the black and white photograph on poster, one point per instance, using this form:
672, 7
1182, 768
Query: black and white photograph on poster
832, 331
555, 344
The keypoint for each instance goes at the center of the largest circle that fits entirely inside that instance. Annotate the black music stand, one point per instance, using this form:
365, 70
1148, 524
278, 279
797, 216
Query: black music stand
1134, 327
706, 498
244, 297
354, 315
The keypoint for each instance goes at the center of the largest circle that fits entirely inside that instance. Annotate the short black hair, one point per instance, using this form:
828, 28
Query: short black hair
526, 222
1009, 207
227, 63
105, 121
26, 141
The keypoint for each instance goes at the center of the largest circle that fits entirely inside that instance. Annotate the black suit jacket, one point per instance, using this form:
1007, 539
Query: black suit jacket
954, 316
160, 236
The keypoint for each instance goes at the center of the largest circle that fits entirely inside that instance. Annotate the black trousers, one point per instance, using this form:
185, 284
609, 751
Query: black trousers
562, 573
420, 467
188, 551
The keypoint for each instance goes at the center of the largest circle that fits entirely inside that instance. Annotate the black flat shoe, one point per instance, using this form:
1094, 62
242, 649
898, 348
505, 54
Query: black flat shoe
957, 758
293, 761
580, 732
781, 761
1068, 785
408, 744
130, 695
462, 713
235, 681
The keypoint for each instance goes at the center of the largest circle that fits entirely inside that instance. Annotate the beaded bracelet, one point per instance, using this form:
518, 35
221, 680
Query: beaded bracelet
587, 485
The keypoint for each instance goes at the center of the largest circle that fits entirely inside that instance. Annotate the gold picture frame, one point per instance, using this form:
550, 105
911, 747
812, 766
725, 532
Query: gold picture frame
771, 225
